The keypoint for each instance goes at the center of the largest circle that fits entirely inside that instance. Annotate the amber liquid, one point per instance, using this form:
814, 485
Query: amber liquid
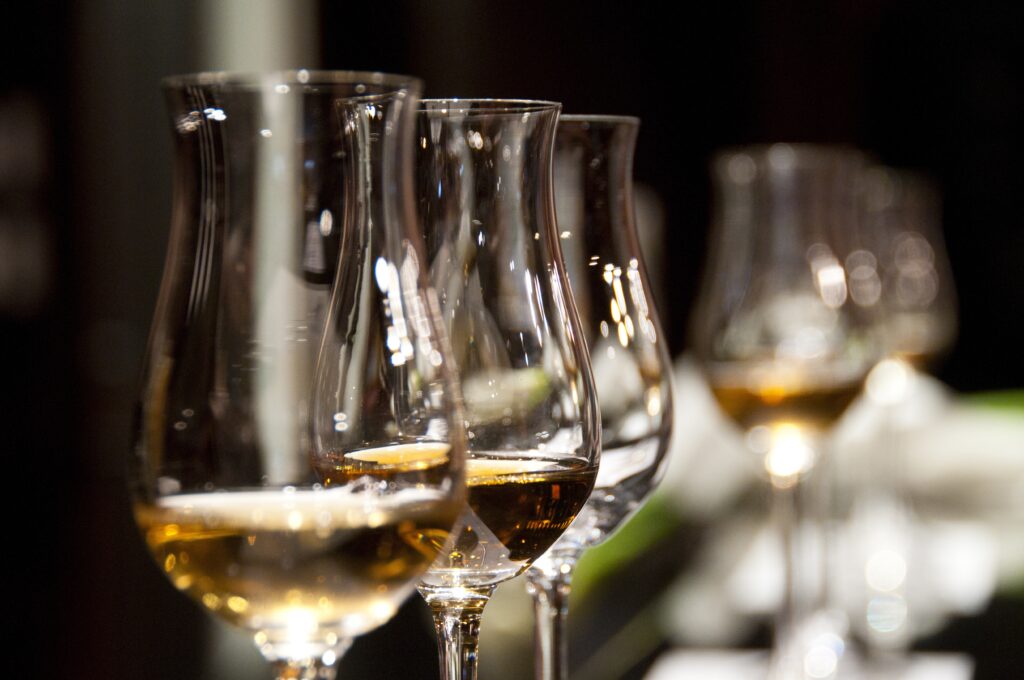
297, 563
517, 508
808, 405
409, 464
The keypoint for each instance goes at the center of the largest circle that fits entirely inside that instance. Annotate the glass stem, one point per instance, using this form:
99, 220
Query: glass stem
302, 670
801, 532
549, 582
457, 614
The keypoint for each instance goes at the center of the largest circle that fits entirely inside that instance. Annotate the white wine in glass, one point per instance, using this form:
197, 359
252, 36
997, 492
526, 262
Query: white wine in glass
487, 212
289, 189
594, 199
288, 563
785, 350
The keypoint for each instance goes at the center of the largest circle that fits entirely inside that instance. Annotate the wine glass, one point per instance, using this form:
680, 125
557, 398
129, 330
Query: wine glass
914, 288
785, 351
594, 201
907, 279
274, 173
486, 205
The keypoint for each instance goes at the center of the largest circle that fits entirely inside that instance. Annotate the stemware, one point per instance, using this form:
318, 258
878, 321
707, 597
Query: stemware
785, 351
915, 284
594, 202
907, 279
274, 174
486, 205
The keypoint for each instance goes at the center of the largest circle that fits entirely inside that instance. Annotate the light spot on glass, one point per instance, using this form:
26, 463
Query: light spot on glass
885, 570
886, 613
782, 157
789, 456
326, 223
821, 661
300, 624
238, 604
741, 169
888, 382
831, 282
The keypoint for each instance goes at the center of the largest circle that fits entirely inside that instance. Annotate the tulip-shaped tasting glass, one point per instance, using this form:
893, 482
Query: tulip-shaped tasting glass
907, 279
785, 350
274, 173
594, 201
487, 210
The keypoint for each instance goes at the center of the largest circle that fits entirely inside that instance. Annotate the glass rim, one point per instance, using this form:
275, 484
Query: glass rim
601, 118
253, 80
486, 106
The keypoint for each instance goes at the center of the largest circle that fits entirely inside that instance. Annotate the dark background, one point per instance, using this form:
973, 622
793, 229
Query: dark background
84, 202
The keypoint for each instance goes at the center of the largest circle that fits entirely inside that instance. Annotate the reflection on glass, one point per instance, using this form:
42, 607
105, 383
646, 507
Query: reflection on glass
593, 184
235, 509
785, 351
486, 206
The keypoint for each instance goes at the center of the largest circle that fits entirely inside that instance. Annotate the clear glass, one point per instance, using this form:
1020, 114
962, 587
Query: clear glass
487, 209
912, 282
785, 351
275, 174
594, 201
908, 280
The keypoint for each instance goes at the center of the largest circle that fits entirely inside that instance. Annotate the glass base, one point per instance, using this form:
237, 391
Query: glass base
302, 659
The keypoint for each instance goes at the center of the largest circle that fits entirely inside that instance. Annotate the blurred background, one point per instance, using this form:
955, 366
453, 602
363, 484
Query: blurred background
85, 165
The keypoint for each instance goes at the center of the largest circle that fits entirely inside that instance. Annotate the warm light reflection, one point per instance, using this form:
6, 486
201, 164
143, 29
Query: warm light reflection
237, 604
625, 327
653, 399
888, 382
397, 337
300, 624
829, 275
326, 223
790, 454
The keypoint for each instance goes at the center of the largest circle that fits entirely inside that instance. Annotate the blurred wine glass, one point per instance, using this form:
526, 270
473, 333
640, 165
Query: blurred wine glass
487, 210
906, 278
240, 488
785, 351
915, 291
594, 200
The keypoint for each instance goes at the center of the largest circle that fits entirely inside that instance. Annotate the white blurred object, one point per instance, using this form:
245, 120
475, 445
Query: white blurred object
747, 665
963, 476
